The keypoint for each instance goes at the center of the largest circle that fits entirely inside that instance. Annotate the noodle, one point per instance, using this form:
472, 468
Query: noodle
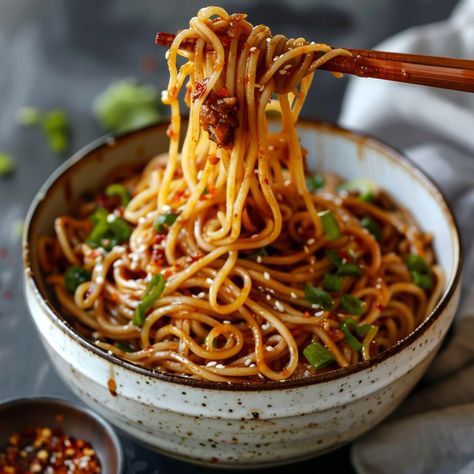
261, 277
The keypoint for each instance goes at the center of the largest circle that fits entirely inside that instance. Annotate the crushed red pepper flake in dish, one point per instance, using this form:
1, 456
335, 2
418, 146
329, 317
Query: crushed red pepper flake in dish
48, 451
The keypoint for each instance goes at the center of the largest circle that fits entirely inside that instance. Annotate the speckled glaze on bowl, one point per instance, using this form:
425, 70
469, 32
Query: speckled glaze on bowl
237, 425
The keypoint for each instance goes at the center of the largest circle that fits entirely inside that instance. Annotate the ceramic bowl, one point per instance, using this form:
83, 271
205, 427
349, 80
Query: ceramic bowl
237, 425
24, 413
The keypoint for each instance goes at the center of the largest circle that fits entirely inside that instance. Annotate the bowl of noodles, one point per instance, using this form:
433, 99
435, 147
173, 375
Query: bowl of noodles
241, 287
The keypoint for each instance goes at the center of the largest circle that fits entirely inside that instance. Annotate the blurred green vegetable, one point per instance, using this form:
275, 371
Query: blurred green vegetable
126, 105
28, 116
7, 165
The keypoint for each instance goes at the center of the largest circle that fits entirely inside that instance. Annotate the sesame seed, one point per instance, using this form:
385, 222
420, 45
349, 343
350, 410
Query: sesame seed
265, 326
306, 249
220, 366
226, 321
202, 294
166, 208
110, 353
270, 348
282, 72
253, 49
293, 295
247, 362
279, 306
259, 259
212, 363
319, 314
268, 297
252, 365
199, 175
310, 241
210, 281
288, 66
261, 376
266, 275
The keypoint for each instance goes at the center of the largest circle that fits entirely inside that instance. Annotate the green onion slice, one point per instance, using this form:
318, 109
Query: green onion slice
359, 330
366, 188
349, 268
119, 190
422, 280
334, 256
124, 347
260, 252
369, 224
74, 277
330, 225
317, 355
352, 305
313, 183
318, 297
109, 230
332, 282
164, 220
153, 291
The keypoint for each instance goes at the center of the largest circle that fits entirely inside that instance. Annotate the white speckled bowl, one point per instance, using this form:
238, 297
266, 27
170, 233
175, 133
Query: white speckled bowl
241, 426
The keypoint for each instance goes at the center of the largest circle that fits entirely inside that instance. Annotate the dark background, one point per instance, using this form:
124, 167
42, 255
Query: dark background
62, 54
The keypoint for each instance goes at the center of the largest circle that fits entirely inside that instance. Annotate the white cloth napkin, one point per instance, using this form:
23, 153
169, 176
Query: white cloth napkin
433, 431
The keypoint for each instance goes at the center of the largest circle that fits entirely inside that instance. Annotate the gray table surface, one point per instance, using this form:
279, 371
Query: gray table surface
59, 53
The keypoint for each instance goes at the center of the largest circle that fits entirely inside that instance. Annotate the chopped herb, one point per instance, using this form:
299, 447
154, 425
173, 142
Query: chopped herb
74, 277
126, 105
313, 183
153, 291
332, 282
359, 330
119, 190
349, 268
420, 271
55, 127
330, 225
205, 192
7, 165
417, 263
164, 220
108, 231
369, 224
317, 355
423, 280
318, 297
334, 256
365, 188
28, 116
124, 347
352, 305
260, 252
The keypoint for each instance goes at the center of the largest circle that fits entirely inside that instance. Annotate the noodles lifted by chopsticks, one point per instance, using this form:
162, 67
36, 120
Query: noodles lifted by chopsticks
224, 260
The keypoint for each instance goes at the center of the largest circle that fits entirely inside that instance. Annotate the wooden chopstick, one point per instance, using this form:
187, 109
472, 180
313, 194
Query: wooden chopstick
434, 71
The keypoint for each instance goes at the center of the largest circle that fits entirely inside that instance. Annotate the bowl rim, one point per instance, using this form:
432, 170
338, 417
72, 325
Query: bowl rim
364, 138
63, 402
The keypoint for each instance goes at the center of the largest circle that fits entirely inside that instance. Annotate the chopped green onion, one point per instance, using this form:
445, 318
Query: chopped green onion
352, 305
124, 347
349, 268
350, 339
260, 252
318, 297
153, 291
205, 191
359, 330
366, 188
369, 224
332, 282
330, 225
420, 271
119, 190
109, 230
127, 105
28, 116
74, 277
313, 183
317, 355
7, 165
423, 280
164, 220
334, 256
417, 263
55, 127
